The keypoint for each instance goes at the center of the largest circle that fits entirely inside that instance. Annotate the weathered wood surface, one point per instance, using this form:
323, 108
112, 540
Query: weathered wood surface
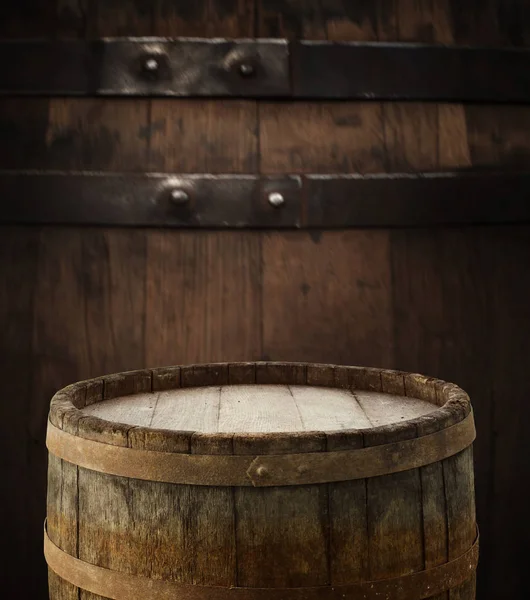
292, 536
260, 409
109, 300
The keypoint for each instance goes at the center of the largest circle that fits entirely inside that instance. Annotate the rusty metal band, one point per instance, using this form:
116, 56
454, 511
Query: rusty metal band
264, 202
124, 586
261, 68
264, 470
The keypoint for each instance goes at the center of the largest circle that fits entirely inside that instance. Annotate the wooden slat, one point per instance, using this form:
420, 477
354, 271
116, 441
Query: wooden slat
394, 515
18, 271
350, 22
326, 409
349, 558
195, 409
121, 18
276, 546
24, 125
383, 409
136, 410
434, 505
203, 289
310, 280
293, 19
461, 523
145, 515
103, 327
258, 409
97, 134
63, 512
203, 297
427, 21
511, 362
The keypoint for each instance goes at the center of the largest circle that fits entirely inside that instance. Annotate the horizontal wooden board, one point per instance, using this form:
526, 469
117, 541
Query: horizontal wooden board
259, 409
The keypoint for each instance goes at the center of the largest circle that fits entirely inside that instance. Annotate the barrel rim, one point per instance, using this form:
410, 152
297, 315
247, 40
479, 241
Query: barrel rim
66, 414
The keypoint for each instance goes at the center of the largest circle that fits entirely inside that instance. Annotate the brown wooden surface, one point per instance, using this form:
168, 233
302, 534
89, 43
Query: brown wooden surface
451, 303
283, 536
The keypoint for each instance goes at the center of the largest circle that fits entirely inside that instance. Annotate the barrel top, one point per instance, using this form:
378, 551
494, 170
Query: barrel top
257, 407
260, 409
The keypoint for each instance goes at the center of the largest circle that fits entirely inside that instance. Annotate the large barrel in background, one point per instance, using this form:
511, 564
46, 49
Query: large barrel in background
77, 302
301, 480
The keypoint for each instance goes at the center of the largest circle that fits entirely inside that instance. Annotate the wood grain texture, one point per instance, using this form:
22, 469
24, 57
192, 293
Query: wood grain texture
63, 512
121, 18
196, 409
18, 254
348, 521
461, 522
384, 409
97, 134
203, 297
510, 446
433, 490
290, 536
259, 409
309, 280
269, 530
394, 515
444, 285
23, 129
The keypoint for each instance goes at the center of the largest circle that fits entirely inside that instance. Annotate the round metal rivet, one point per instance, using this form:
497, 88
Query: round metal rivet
302, 469
276, 199
247, 69
151, 65
262, 471
179, 196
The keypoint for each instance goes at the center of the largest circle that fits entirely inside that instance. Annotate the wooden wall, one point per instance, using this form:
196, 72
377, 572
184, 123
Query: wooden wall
80, 302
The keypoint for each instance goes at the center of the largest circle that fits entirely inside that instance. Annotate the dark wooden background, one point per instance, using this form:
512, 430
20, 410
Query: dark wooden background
451, 303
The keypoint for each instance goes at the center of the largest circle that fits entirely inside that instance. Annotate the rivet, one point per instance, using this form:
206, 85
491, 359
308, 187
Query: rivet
302, 469
151, 64
246, 69
276, 199
262, 471
179, 196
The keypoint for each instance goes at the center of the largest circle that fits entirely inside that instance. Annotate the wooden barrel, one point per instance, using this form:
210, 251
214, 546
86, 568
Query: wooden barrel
265, 481
81, 299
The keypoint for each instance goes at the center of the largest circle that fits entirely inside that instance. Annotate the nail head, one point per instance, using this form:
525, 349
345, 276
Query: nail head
247, 69
276, 199
151, 64
179, 196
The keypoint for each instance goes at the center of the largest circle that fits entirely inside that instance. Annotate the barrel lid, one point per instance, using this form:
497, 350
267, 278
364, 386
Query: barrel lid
259, 408
242, 408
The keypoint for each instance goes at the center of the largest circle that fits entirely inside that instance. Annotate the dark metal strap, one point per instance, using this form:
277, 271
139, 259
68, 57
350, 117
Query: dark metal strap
252, 201
264, 68
124, 586
264, 470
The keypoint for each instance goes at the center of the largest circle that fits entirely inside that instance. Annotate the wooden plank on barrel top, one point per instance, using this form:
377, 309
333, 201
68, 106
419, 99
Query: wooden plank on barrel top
282, 533
105, 501
348, 550
62, 496
153, 520
394, 507
434, 508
